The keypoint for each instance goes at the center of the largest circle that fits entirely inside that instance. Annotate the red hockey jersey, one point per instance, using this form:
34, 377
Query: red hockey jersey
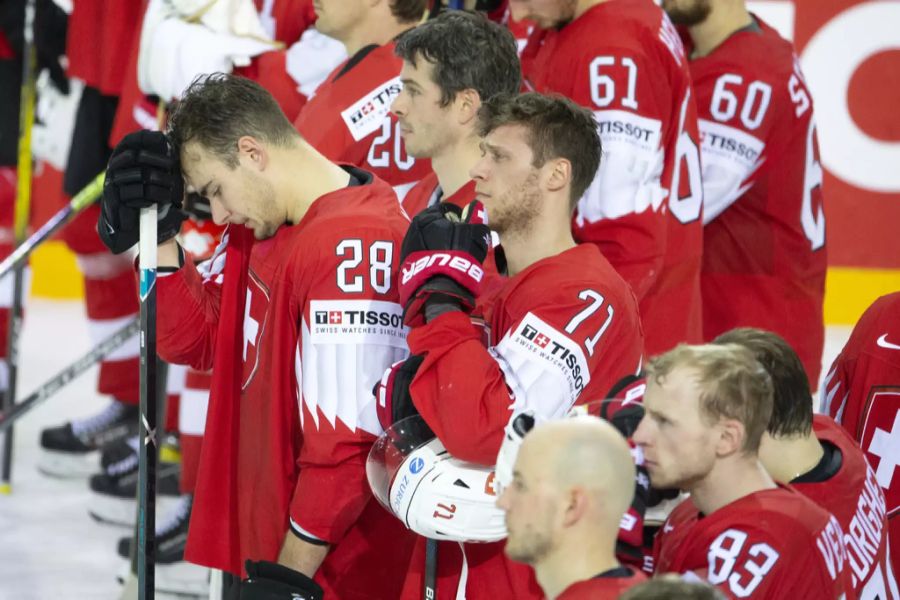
348, 119
774, 543
764, 261
606, 586
427, 192
297, 329
862, 393
98, 41
853, 495
624, 60
560, 332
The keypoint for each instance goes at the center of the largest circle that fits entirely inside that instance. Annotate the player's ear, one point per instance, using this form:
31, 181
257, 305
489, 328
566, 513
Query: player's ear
731, 437
467, 103
558, 174
576, 506
253, 152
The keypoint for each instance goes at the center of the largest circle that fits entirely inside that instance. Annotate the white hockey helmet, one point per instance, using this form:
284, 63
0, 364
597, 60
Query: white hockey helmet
435, 495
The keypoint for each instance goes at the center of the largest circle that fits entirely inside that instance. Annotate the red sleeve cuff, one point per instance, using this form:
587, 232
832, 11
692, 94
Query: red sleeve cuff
328, 500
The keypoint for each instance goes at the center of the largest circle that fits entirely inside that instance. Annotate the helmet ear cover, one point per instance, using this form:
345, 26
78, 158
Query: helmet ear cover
432, 493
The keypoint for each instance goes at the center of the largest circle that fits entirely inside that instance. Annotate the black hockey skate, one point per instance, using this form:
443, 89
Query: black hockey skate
173, 574
70, 450
114, 489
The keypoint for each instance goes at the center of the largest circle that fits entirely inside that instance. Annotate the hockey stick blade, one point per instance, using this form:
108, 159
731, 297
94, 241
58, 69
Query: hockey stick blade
61, 379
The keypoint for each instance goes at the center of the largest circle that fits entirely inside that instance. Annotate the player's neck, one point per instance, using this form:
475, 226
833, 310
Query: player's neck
584, 5
723, 20
375, 30
731, 479
542, 240
453, 165
573, 563
797, 456
302, 191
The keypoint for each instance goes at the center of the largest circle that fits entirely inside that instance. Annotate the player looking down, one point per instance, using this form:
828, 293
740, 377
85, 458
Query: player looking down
283, 314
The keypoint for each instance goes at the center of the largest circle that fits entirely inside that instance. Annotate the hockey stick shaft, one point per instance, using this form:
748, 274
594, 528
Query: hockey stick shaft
146, 553
64, 377
22, 214
82, 200
431, 556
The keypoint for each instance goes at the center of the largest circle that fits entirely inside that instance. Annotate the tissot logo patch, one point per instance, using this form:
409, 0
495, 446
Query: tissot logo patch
366, 114
357, 321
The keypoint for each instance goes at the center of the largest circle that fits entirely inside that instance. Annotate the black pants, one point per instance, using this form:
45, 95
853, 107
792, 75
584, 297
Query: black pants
90, 139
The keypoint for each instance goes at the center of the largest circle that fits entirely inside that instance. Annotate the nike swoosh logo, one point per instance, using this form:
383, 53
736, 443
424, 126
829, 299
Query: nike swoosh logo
882, 341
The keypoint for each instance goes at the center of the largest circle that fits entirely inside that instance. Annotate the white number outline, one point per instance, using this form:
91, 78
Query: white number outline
389, 130
723, 96
379, 267
729, 558
607, 84
596, 301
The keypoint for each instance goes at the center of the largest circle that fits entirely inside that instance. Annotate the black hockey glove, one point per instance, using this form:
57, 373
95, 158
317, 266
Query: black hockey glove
143, 170
441, 259
394, 401
271, 581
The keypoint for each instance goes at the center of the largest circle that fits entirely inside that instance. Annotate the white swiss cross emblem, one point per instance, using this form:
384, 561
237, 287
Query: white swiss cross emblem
256, 308
542, 340
881, 441
335, 317
886, 446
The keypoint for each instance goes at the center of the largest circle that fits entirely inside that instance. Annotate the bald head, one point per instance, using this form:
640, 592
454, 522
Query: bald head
587, 453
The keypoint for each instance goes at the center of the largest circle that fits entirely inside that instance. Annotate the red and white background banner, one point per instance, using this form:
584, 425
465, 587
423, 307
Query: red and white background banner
850, 53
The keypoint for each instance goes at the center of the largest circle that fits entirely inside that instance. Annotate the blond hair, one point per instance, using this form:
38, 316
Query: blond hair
734, 385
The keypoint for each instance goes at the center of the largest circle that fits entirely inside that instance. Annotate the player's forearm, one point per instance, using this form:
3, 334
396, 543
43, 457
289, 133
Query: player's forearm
460, 389
187, 319
302, 556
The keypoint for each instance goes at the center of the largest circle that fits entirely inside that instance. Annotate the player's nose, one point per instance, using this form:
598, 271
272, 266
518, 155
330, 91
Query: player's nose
398, 106
479, 170
219, 214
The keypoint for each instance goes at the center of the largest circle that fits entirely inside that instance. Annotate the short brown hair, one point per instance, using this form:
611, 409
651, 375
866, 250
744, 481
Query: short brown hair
409, 11
557, 128
792, 412
733, 385
216, 110
466, 51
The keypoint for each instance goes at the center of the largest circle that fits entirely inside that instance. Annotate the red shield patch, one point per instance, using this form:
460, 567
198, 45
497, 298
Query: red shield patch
256, 306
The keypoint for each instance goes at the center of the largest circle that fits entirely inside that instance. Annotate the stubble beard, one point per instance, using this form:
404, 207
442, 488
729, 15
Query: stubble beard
530, 547
688, 16
516, 211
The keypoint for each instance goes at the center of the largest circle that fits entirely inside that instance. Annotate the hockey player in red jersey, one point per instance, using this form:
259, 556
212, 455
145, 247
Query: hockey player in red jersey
764, 222
451, 64
623, 60
297, 324
819, 459
706, 409
564, 507
562, 329
348, 118
862, 393
98, 32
